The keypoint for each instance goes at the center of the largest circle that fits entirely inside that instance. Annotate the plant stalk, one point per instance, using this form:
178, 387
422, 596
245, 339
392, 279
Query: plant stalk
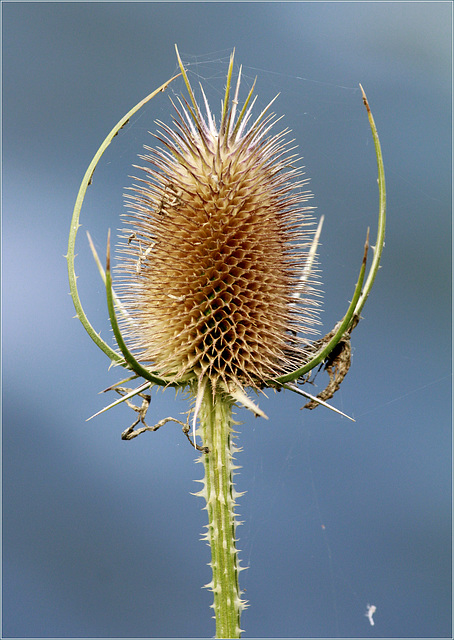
215, 428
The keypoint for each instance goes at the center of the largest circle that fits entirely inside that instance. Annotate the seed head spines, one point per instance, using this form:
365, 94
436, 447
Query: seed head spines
218, 232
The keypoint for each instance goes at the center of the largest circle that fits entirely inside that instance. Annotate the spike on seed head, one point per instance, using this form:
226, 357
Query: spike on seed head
218, 236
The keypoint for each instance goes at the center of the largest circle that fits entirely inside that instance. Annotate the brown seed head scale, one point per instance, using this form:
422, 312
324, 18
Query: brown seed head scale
216, 242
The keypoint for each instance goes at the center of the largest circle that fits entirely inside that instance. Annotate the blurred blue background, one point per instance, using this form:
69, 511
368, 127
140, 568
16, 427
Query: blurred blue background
101, 536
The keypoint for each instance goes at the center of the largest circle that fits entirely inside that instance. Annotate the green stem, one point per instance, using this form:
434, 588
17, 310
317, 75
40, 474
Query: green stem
215, 419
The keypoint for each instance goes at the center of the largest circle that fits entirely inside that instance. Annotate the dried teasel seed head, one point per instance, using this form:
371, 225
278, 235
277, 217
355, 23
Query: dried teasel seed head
216, 243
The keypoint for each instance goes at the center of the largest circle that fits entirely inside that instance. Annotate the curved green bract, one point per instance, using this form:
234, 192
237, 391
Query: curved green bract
359, 298
70, 257
380, 242
131, 362
344, 325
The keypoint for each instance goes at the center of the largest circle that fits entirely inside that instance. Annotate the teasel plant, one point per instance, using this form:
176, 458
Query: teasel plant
216, 291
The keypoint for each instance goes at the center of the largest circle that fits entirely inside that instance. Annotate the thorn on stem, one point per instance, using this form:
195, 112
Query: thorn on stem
366, 246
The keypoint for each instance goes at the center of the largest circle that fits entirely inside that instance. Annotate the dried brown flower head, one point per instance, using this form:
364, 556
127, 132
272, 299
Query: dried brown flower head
217, 238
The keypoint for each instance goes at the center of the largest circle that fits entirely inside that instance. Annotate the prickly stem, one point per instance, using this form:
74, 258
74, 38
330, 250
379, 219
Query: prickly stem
215, 429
